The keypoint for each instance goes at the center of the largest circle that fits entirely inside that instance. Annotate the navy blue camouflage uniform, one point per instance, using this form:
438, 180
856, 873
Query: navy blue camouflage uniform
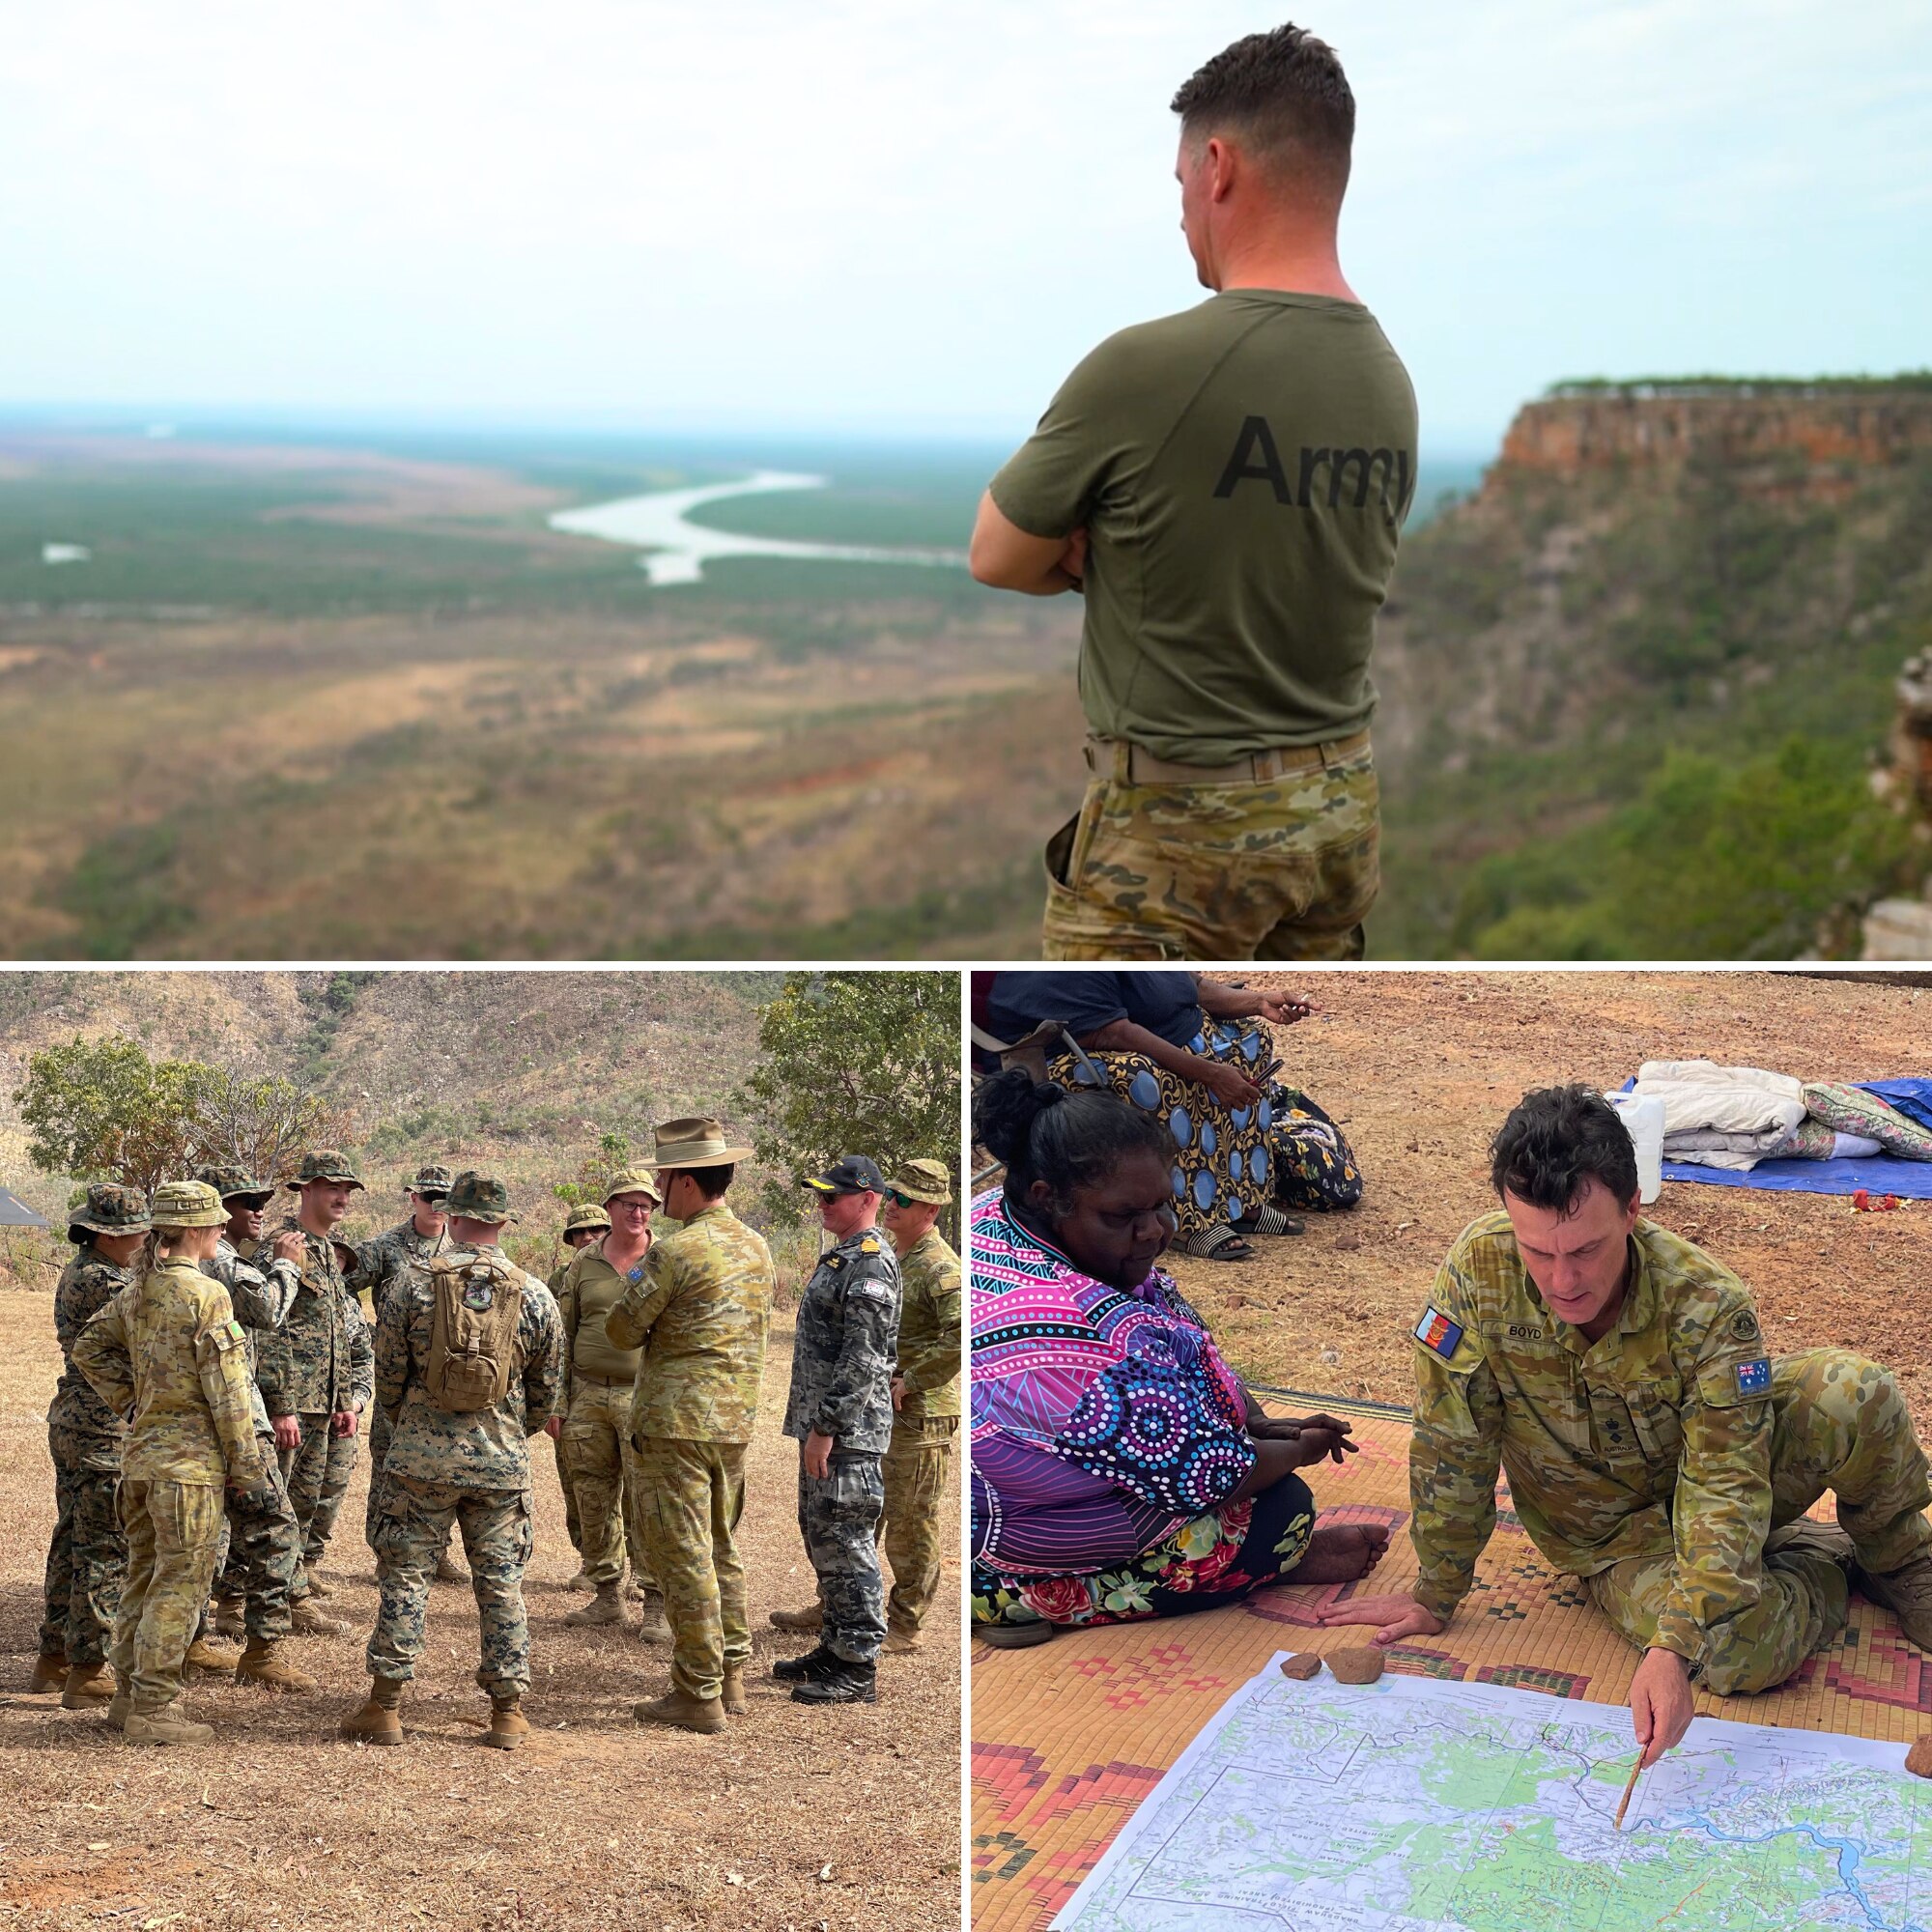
844, 1355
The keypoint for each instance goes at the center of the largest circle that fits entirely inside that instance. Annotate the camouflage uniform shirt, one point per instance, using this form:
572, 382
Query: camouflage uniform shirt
168, 1352
702, 1314
929, 1328
87, 1284
845, 1344
1656, 1438
319, 1361
260, 1302
383, 1261
479, 1449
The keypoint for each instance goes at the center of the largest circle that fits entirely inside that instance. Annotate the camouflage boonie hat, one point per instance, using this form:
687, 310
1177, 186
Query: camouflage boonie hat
585, 1214
344, 1252
324, 1164
109, 1209
922, 1181
633, 1181
188, 1204
429, 1181
232, 1180
480, 1197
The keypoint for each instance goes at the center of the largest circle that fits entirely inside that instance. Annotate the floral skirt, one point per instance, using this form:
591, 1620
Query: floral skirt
1216, 1559
1230, 1161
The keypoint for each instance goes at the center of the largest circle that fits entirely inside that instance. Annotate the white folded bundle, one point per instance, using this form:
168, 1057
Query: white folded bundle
1700, 1096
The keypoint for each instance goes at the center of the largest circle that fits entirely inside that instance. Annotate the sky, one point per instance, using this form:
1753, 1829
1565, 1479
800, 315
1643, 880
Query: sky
882, 217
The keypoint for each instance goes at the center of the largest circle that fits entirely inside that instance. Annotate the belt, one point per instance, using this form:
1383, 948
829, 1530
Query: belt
1133, 764
602, 1381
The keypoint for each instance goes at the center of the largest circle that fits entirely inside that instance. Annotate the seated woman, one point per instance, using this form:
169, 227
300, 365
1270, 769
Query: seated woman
1247, 1152
1120, 1469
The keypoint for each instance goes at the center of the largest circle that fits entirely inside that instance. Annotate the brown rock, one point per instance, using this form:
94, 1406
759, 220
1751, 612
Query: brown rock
1360, 1665
1918, 1760
1301, 1666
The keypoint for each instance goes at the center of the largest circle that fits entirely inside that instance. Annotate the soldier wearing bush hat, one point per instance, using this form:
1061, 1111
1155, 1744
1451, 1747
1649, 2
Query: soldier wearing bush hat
582, 1226
88, 1555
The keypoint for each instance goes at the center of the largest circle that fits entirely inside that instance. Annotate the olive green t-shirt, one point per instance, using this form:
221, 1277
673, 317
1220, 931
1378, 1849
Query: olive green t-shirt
1242, 470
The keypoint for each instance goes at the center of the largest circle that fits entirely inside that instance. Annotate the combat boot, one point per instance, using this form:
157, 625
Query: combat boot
606, 1606
799, 1669
1907, 1593
117, 1711
378, 1718
811, 1619
305, 1620
687, 1713
582, 1580
228, 1617
842, 1684
89, 1686
651, 1624
265, 1662
902, 1642
315, 1586
508, 1726
169, 1725
736, 1702
50, 1670
204, 1654
449, 1570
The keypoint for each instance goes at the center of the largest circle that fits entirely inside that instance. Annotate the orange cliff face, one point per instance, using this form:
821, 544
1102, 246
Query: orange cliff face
1832, 436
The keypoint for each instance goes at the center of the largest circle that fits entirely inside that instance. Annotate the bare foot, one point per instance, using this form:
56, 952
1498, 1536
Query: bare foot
1341, 1554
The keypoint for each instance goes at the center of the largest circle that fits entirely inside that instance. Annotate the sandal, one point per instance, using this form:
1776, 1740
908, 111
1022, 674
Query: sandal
1270, 1220
1012, 1637
1218, 1243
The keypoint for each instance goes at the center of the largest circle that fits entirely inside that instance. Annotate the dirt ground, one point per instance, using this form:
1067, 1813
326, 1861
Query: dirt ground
1420, 1068
794, 1818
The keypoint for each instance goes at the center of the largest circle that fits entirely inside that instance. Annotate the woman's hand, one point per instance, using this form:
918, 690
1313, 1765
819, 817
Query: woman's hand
1282, 1009
1228, 1085
1315, 1436
1398, 1616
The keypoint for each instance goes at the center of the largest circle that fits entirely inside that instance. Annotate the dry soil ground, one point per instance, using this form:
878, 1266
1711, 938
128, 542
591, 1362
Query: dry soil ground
843, 1818
1421, 1067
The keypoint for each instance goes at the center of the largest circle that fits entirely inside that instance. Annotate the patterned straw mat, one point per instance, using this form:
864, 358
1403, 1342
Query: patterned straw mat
1068, 1738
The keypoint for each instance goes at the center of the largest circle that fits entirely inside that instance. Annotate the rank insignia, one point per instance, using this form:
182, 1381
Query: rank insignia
1437, 1332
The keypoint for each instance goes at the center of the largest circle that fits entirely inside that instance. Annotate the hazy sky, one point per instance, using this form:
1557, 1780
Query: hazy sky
875, 215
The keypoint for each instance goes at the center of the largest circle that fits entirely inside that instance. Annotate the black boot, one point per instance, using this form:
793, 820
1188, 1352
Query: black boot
842, 1683
802, 1669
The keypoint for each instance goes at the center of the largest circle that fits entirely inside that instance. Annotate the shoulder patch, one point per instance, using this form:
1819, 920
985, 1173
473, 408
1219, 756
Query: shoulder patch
1754, 1377
1744, 1325
1438, 1333
869, 1246
832, 1261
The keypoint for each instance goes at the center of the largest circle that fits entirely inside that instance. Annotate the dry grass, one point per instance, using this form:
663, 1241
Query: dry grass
842, 1818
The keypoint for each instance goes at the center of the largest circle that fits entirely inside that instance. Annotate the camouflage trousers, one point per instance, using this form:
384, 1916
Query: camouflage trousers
380, 1432
839, 1518
1283, 869
317, 1473
174, 1531
573, 1523
596, 1446
1840, 1423
261, 1560
694, 1493
85, 1557
914, 1473
410, 1537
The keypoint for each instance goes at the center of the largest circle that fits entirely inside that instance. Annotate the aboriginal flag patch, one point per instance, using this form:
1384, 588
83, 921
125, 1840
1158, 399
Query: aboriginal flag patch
1754, 1377
1437, 1331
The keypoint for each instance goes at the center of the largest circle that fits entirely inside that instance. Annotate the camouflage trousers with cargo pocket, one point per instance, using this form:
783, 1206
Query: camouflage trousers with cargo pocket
595, 1447
1283, 868
174, 1536
262, 1557
839, 1518
316, 1473
914, 1471
694, 1494
411, 1534
1840, 1423
87, 1555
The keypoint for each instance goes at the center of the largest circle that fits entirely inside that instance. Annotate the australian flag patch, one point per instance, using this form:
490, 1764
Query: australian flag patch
1437, 1331
1754, 1377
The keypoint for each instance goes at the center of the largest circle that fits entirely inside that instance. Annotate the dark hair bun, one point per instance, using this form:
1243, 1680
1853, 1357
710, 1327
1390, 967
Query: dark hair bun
1004, 1109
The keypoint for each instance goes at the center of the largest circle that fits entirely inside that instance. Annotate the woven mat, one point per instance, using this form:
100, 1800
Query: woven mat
1069, 1738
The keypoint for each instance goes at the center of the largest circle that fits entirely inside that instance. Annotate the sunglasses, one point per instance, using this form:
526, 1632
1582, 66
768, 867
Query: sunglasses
898, 1199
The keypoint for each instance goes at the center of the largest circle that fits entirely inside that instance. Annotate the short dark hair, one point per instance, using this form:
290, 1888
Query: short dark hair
712, 1181
1555, 1140
1070, 1141
1286, 91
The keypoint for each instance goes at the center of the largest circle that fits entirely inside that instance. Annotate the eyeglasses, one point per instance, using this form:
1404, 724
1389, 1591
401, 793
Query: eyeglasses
898, 1199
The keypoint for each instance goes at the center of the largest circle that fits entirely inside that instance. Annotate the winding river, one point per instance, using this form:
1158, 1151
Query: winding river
676, 550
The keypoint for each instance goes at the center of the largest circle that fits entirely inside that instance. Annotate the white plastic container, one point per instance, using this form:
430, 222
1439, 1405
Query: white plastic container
1643, 1122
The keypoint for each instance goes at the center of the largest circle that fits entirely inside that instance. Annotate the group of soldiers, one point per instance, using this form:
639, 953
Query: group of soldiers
219, 1377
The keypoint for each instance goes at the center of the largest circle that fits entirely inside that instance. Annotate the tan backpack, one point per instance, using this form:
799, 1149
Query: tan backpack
478, 1308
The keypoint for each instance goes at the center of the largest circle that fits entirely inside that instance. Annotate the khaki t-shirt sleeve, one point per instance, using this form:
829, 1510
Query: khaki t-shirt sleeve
1050, 484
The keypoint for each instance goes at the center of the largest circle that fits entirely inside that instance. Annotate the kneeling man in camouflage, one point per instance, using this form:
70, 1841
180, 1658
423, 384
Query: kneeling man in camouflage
1654, 1448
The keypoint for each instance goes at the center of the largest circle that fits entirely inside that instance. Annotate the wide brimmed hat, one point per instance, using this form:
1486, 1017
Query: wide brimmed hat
633, 1181
849, 1173
110, 1209
478, 1197
925, 1181
585, 1214
698, 1142
188, 1204
429, 1181
324, 1164
232, 1181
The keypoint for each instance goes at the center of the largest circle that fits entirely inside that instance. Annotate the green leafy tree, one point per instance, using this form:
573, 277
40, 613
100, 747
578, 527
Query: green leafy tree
102, 1110
853, 1063
596, 1172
